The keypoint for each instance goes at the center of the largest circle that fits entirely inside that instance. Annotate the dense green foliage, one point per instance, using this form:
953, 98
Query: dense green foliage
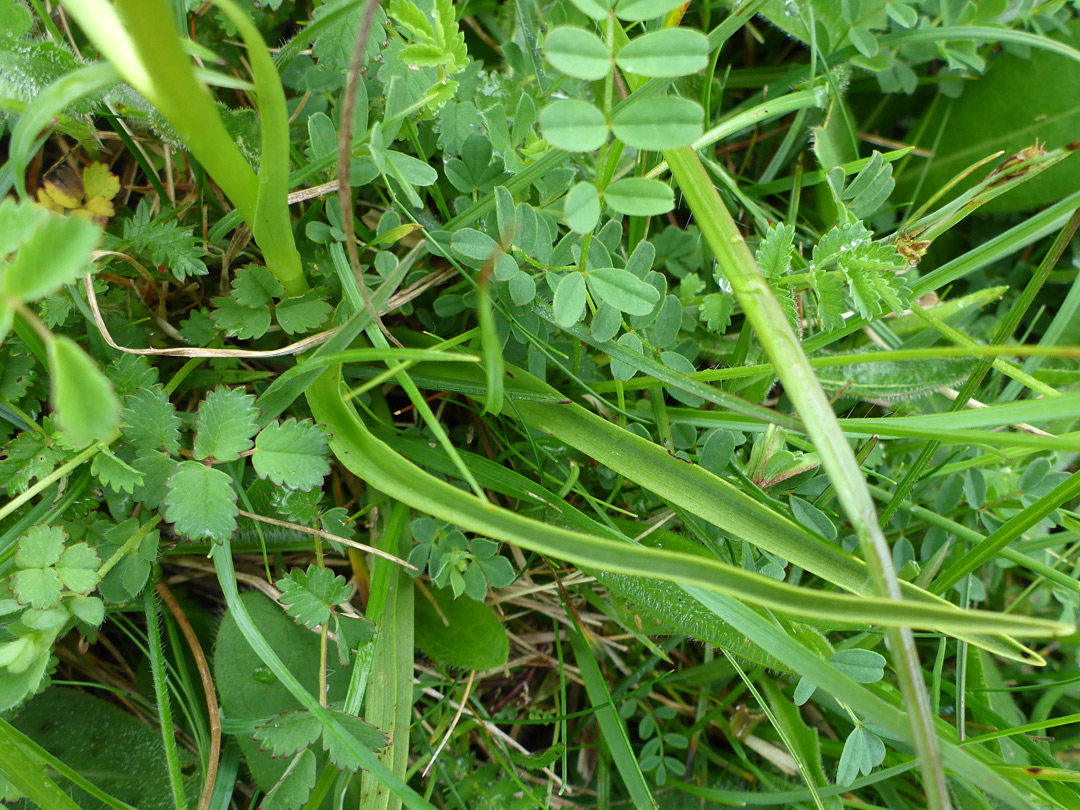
539, 403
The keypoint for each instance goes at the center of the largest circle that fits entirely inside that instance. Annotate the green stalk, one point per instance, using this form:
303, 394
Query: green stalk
140, 38
161, 692
780, 342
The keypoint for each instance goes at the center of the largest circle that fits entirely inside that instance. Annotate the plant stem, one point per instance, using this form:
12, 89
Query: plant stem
780, 342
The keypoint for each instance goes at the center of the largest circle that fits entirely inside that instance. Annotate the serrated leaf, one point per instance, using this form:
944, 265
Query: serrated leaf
577, 52
288, 733
406, 14
150, 421
294, 788
225, 424
838, 241
291, 454
40, 547
660, 123
574, 125
871, 270
165, 241
364, 733
774, 254
156, 468
308, 596
255, 286
114, 473
238, 321
77, 568
130, 372
667, 53
57, 253
870, 188
640, 197
829, 291
303, 313
716, 309
37, 587
622, 290
200, 502
82, 396
16, 375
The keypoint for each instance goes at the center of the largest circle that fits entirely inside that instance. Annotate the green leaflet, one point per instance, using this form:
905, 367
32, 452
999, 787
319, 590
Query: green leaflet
671, 605
903, 379
384, 469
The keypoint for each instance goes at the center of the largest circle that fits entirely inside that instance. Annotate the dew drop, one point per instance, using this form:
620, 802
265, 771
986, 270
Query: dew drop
263, 674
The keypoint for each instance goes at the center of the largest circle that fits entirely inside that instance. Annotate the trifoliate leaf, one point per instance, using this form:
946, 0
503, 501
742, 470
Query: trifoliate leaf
115, 473
863, 751
365, 734
150, 421
303, 313
201, 502
255, 286
288, 733
622, 290
78, 567
309, 596
225, 424
291, 454
84, 400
